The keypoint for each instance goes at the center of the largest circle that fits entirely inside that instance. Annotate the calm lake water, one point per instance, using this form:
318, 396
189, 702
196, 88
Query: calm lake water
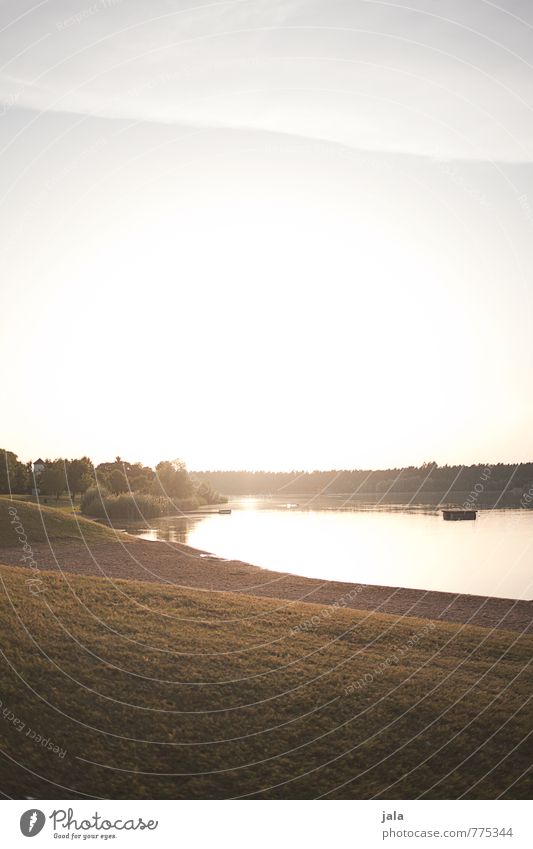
490, 556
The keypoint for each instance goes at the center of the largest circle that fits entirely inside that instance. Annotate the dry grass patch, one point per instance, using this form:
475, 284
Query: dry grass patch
156, 692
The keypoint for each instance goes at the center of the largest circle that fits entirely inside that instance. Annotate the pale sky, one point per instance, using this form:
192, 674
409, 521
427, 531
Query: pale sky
267, 234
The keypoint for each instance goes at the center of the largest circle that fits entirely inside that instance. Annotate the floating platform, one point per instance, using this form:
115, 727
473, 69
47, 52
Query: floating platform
226, 512
458, 515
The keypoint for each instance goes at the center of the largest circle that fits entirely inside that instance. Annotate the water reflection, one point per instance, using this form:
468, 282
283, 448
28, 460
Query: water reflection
491, 556
169, 530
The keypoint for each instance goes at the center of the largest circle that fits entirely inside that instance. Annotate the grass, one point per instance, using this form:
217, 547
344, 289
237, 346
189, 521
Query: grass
41, 523
158, 692
64, 502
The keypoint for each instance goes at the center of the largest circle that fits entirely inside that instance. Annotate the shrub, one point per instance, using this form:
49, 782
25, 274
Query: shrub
91, 501
132, 508
206, 494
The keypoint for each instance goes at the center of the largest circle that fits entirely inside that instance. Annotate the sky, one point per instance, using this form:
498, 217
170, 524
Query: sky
265, 234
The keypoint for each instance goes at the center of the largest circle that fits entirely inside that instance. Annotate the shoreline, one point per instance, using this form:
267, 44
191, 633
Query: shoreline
180, 565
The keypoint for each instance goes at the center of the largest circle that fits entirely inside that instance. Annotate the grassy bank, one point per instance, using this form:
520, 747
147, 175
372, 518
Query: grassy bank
64, 502
155, 692
22, 521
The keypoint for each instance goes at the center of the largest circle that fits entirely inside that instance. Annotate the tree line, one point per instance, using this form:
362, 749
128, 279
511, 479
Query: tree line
410, 480
169, 479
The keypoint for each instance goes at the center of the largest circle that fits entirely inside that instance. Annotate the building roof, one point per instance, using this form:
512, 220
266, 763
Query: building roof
37, 462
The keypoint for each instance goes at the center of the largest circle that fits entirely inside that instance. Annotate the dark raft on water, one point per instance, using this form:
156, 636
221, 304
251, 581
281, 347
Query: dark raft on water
456, 515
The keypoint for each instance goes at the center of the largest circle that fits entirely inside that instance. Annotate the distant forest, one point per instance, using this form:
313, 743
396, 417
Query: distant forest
484, 484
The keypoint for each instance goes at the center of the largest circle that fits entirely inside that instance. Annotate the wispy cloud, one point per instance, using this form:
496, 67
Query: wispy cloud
440, 79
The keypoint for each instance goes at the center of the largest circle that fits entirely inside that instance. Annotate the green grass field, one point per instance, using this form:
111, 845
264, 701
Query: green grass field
147, 691
41, 523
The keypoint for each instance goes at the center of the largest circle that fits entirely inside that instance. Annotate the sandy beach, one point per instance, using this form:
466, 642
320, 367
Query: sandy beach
180, 565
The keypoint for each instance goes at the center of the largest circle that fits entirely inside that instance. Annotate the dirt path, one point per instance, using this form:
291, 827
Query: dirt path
176, 564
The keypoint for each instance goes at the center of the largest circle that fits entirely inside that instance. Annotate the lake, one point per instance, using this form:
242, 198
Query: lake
490, 556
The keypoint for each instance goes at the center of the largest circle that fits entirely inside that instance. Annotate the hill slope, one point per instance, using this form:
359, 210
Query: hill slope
24, 520
149, 691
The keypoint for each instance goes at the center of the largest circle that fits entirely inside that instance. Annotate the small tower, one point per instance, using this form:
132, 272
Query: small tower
38, 469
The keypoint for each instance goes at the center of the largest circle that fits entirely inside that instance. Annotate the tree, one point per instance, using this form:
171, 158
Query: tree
8, 462
206, 492
117, 481
86, 482
80, 475
14, 475
139, 483
53, 480
172, 479
22, 478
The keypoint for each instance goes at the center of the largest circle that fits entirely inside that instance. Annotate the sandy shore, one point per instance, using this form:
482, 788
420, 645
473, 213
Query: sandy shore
180, 565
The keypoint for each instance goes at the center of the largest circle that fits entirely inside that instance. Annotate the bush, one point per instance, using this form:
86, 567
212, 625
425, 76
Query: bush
91, 500
132, 508
207, 495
